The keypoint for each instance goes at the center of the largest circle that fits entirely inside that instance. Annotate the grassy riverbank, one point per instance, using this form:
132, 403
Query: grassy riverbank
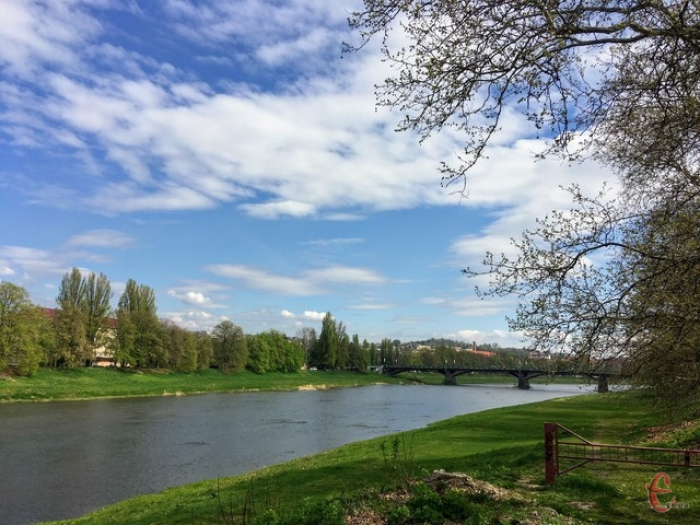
503, 447
86, 383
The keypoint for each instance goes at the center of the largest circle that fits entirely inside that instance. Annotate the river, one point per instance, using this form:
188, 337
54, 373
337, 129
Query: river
63, 459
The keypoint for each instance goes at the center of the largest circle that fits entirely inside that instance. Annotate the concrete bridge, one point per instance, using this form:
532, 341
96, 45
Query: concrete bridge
523, 376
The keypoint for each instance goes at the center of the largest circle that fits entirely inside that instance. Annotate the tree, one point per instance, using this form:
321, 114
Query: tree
343, 345
205, 350
258, 354
386, 355
283, 354
139, 341
579, 71
230, 347
307, 337
82, 316
613, 277
96, 308
326, 357
358, 358
20, 326
181, 346
72, 345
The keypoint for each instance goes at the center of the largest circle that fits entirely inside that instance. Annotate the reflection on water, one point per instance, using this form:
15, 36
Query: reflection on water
63, 459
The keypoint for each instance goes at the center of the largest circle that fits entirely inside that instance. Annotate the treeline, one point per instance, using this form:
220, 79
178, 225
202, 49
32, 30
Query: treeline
84, 330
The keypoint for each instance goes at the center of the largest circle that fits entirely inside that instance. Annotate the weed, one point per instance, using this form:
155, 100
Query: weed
400, 463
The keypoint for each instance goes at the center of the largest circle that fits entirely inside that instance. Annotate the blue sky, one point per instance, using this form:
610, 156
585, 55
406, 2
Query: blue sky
226, 154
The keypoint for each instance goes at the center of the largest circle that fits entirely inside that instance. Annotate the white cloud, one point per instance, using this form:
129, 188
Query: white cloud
195, 320
370, 306
101, 238
272, 210
266, 281
339, 241
345, 275
502, 337
287, 314
310, 282
313, 316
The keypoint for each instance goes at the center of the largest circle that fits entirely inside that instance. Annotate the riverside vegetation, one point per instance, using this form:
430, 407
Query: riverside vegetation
393, 480
88, 383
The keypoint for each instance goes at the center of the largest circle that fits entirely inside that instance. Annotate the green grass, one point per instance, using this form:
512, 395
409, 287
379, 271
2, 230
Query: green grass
85, 383
502, 446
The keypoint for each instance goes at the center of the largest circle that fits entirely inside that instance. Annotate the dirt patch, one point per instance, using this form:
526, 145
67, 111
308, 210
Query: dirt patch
664, 433
441, 481
313, 387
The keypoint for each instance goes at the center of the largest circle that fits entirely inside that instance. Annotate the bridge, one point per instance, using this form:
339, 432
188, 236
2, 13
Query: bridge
522, 375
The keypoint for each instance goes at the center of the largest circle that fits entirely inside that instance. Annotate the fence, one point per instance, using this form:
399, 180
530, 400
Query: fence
583, 451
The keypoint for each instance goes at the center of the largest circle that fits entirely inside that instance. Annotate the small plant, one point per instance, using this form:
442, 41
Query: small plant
398, 515
401, 461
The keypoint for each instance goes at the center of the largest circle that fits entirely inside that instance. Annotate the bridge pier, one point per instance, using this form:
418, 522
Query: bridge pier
602, 384
450, 379
523, 382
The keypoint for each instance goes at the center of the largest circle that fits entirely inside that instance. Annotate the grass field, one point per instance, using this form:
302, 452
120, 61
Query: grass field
503, 447
85, 383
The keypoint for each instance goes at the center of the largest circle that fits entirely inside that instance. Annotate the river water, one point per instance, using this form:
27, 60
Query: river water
63, 459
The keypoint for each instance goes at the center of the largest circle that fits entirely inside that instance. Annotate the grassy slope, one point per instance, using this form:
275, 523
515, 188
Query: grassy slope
85, 383
503, 446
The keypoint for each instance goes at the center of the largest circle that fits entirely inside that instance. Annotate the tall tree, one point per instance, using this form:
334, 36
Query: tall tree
96, 308
308, 338
230, 347
72, 344
82, 317
138, 328
258, 354
20, 330
181, 346
343, 345
326, 357
358, 358
205, 351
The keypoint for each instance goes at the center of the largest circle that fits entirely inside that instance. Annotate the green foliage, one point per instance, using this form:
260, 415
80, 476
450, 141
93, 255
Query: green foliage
138, 328
181, 347
272, 351
259, 355
21, 326
358, 355
326, 352
84, 383
230, 347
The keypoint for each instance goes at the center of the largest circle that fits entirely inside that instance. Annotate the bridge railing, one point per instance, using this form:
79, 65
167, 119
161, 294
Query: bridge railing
560, 443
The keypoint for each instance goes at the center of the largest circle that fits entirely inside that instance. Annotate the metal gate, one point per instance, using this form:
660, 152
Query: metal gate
560, 443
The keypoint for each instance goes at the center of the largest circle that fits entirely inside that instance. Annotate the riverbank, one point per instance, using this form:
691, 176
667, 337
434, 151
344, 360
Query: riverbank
92, 383
502, 448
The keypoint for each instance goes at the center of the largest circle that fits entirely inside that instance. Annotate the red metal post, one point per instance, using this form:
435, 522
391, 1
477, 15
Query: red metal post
551, 439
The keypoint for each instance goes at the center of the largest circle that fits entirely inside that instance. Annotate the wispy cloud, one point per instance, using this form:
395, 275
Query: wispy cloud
101, 238
310, 282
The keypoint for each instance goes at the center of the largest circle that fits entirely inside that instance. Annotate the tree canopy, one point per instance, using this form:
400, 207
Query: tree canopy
580, 71
616, 80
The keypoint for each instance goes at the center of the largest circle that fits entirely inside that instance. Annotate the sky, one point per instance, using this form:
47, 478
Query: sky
227, 154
